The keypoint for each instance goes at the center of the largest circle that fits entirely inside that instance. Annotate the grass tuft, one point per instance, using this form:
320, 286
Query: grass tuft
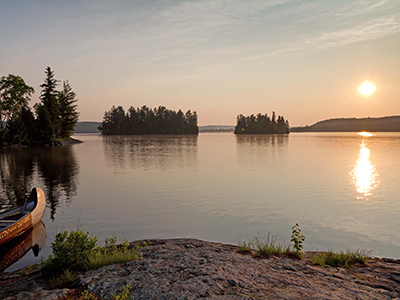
266, 246
346, 259
63, 280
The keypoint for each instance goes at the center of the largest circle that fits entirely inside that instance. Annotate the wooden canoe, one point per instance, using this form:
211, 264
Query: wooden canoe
15, 221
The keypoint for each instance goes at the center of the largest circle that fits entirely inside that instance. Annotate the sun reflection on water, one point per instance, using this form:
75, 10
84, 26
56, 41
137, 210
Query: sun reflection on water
365, 134
364, 174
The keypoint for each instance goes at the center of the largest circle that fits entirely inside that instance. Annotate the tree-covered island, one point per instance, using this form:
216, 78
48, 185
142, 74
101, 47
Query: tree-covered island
144, 120
52, 121
261, 124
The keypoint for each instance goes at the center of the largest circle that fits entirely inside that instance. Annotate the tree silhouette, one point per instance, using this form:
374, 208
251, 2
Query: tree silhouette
145, 120
261, 124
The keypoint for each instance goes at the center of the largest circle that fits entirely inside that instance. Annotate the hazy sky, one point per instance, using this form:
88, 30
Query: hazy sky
302, 59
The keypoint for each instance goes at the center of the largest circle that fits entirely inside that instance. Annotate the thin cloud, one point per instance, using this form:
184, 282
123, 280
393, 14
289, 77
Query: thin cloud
370, 30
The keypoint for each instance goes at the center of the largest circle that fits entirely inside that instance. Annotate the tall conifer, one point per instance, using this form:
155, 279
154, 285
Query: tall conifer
49, 100
68, 113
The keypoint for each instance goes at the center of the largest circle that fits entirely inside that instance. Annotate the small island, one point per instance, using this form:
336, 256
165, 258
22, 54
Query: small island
53, 120
261, 124
144, 120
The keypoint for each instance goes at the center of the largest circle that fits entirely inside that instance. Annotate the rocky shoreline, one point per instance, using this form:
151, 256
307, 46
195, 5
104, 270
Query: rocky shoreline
193, 269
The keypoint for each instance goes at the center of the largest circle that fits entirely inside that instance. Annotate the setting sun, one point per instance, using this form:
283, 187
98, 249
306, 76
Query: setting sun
366, 88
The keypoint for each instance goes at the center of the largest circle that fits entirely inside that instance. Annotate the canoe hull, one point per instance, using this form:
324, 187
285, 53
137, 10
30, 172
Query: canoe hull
27, 221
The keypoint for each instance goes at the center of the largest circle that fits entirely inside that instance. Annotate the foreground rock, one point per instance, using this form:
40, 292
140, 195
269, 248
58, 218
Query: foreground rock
193, 269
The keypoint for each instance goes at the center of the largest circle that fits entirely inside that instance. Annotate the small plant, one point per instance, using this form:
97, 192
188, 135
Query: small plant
86, 295
123, 295
297, 238
342, 259
31, 268
62, 280
243, 247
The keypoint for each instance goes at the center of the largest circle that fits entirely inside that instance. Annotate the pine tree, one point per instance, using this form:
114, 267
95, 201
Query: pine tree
49, 98
67, 108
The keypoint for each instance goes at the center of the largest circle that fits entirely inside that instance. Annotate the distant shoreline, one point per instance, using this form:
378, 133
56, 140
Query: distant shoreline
384, 124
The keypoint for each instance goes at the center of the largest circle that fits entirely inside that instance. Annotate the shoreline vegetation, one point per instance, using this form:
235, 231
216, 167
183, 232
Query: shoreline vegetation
144, 120
261, 124
191, 269
383, 124
51, 122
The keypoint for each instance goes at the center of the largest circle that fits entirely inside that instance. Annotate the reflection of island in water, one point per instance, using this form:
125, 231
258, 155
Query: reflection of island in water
11, 252
364, 174
260, 150
54, 169
160, 152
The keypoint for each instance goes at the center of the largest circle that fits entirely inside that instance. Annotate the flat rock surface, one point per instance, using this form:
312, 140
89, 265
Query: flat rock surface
193, 269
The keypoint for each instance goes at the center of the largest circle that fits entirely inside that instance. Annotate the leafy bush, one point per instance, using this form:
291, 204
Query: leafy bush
77, 251
70, 251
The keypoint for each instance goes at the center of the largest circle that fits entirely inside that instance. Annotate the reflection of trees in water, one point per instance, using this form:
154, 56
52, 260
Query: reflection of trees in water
56, 168
151, 152
16, 172
262, 139
255, 151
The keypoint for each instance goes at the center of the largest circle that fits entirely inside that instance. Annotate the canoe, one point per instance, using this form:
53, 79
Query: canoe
34, 238
15, 221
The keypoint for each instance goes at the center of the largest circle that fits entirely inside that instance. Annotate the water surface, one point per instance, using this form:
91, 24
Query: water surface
342, 188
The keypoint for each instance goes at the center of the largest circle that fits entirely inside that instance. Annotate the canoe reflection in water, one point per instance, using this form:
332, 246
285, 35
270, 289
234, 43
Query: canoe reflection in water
12, 251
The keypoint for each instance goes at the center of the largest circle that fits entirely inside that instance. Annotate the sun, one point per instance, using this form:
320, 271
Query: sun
366, 88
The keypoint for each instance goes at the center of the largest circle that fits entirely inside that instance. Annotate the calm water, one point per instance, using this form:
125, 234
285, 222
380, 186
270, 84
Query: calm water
342, 188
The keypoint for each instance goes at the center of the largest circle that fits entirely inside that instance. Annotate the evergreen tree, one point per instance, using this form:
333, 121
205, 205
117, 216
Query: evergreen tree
68, 113
49, 98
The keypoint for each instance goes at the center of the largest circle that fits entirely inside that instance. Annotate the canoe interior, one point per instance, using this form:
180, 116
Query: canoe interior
12, 216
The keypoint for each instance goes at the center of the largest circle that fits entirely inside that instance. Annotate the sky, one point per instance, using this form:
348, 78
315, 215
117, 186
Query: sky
221, 58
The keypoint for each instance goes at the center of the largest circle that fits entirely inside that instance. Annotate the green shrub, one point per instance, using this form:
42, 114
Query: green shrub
70, 252
77, 251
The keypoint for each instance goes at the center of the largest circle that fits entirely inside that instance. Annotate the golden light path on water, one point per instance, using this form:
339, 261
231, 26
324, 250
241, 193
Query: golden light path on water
364, 174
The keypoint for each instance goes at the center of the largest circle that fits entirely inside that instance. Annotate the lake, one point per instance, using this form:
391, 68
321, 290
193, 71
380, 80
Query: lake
342, 188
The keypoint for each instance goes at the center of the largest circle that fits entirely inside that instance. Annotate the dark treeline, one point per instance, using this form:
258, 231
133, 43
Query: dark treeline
145, 120
52, 120
261, 124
